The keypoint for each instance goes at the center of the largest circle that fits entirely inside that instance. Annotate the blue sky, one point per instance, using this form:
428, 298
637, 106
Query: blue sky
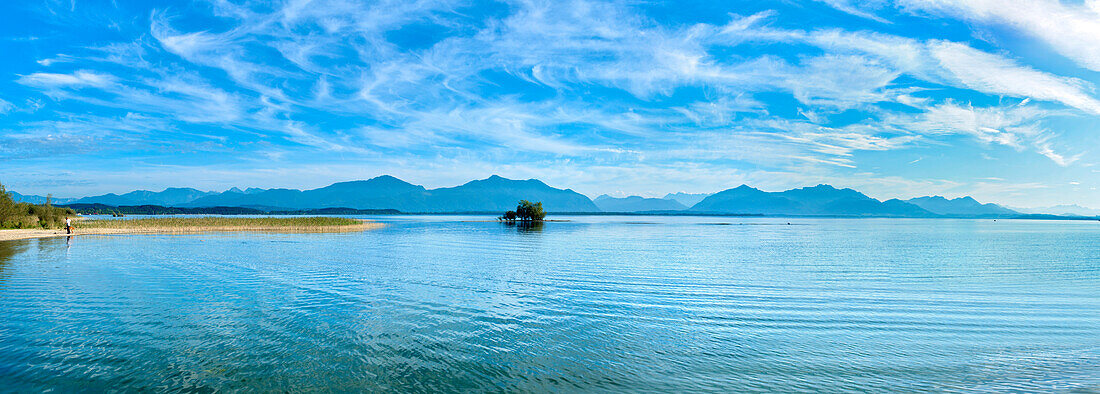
992, 99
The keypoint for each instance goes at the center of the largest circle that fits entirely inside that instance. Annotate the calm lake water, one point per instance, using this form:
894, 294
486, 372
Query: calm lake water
596, 304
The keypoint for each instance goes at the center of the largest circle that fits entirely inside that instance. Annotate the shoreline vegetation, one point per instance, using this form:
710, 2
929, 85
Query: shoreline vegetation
103, 209
21, 215
191, 225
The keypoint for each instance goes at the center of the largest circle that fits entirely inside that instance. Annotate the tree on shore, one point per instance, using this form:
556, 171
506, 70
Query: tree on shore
8, 207
23, 215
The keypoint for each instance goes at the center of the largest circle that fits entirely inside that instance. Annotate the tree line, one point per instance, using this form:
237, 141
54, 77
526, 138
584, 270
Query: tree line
25, 215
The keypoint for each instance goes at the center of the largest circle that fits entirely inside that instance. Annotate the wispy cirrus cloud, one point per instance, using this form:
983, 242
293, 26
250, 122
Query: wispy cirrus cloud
77, 79
861, 9
994, 74
1071, 29
6, 106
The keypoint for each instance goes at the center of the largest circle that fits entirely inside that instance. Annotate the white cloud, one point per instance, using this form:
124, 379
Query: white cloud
1043, 146
1071, 29
60, 58
883, 57
222, 51
857, 10
181, 96
994, 74
76, 79
999, 125
1016, 126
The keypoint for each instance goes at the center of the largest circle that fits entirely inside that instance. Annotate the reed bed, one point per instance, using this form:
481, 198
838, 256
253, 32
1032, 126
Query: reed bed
217, 223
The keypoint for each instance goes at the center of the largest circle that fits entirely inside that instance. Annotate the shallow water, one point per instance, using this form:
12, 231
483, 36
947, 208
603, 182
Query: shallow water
596, 304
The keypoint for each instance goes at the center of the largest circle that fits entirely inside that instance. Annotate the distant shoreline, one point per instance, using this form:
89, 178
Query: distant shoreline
157, 210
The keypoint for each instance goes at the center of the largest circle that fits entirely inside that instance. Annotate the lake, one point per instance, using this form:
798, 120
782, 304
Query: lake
599, 303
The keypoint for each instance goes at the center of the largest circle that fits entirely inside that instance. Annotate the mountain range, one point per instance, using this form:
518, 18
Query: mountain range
1063, 210
38, 199
497, 194
607, 203
169, 197
959, 206
817, 200
687, 199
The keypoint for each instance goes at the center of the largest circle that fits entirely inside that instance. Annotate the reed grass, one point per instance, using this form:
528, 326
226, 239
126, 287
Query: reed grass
218, 223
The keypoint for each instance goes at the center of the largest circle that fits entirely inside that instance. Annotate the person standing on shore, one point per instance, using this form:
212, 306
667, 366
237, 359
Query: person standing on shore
68, 225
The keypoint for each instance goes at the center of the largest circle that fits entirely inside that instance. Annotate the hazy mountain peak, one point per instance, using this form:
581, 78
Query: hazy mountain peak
959, 206
182, 189
687, 199
607, 203
497, 180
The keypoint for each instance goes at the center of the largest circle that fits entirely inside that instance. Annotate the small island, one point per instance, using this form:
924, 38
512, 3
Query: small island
526, 212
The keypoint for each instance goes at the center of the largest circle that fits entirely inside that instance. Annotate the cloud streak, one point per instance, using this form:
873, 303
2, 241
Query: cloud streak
1072, 30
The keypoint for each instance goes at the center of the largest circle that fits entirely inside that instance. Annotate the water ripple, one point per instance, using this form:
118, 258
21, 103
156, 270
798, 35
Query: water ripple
597, 304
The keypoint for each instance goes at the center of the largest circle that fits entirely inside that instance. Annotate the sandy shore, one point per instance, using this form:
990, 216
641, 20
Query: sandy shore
10, 235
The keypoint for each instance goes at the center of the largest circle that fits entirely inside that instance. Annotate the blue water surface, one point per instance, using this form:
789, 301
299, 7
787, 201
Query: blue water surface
598, 303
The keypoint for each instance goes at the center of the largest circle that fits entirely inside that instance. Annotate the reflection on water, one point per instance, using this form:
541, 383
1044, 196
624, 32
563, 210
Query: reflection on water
522, 226
434, 303
8, 249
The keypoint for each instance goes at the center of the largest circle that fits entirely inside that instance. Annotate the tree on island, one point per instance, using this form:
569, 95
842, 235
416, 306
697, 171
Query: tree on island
526, 211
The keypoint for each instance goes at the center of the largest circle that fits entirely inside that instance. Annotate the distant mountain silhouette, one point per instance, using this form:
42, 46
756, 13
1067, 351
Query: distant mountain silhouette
498, 194
962, 206
817, 200
376, 193
387, 192
168, 197
251, 190
687, 199
37, 199
746, 199
1061, 210
607, 203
